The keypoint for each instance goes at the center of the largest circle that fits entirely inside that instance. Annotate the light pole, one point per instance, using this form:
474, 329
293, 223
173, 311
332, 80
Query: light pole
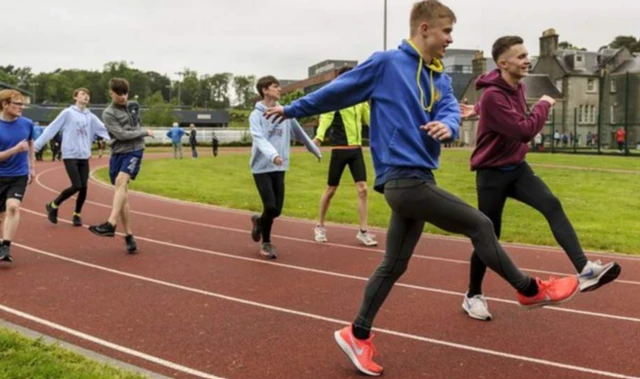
181, 74
384, 41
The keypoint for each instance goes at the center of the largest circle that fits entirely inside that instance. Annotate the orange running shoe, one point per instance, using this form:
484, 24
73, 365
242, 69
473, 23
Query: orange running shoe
361, 352
550, 292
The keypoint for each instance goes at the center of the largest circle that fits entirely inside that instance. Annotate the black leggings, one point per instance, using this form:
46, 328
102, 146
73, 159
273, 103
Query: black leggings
271, 188
78, 171
414, 202
495, 186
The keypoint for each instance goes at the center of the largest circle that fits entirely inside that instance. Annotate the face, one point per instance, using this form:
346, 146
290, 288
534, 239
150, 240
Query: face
437, 36
82, 98
273, 91
14, 107
119, 99
515, 61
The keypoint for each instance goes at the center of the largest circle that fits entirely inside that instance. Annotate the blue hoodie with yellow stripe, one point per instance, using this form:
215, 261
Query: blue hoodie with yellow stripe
405, 93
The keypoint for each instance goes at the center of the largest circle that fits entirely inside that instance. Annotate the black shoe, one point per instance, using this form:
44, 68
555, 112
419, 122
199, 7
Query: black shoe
5, 254
104, 229
268, 251
256, 230
52, 213
77, 221
132, 246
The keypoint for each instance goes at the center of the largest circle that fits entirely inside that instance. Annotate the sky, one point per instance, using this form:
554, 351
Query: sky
274, 37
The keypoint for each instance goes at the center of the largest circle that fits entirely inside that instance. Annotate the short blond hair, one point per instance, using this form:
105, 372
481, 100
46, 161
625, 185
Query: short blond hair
428, 10
9, 95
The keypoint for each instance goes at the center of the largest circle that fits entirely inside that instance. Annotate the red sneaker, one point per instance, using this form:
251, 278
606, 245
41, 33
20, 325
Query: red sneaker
361, 352
552, 291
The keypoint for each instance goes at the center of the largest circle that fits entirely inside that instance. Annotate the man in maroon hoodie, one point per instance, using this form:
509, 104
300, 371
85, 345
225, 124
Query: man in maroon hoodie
505, 129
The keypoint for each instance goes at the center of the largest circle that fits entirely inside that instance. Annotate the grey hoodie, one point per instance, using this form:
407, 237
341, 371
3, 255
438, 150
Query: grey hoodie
271, 140
126, 136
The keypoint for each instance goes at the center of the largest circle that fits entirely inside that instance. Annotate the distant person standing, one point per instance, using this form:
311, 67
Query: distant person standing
175, 134
56, 147
37, 132
214, 143
193, 141
620, 137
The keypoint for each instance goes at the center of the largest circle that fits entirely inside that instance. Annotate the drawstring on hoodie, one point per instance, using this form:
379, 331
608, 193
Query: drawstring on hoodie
435, 65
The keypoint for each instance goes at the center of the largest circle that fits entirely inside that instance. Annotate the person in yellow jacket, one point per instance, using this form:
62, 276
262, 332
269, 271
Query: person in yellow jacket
344, 129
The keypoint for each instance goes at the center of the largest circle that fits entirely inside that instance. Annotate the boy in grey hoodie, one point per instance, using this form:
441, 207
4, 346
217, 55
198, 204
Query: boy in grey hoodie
127, 150
270, 160
78, 127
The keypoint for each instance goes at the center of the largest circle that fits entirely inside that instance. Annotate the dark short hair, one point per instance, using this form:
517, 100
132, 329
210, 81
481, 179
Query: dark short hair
264, 83
119, 86
503, 44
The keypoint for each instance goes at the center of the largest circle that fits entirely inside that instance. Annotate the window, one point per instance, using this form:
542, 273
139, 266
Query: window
614, 88
578, 58
591, 85
613, 114
587, 114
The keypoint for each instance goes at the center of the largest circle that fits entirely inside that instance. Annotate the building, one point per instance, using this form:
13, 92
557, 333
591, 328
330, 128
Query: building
319, 75
606, 82
204, 118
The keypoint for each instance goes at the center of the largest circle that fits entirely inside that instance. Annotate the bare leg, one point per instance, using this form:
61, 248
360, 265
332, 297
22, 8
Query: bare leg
325, 201
119, 197
362, 203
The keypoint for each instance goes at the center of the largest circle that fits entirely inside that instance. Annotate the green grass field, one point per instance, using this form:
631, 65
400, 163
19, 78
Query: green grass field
603, 206
22, 358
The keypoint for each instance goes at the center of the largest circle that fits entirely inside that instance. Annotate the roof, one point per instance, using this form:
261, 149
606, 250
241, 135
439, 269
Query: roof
9, 86
630, 65
568, 61
43, 114
459, 82
537, 85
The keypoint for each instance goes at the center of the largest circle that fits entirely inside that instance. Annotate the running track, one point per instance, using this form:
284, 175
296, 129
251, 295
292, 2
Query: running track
198, 302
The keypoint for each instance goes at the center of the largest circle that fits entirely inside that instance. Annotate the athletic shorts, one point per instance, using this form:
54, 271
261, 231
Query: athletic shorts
12, 187
125, 162
340, 158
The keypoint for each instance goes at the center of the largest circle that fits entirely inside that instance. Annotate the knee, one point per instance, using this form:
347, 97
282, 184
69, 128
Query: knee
551, 205
483, 227
393, 271
122, 181
272, 211
362, 190
331, 191
13, 209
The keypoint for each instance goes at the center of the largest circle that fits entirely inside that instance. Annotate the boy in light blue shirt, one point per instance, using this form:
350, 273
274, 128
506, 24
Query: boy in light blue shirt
78, 127
270, 160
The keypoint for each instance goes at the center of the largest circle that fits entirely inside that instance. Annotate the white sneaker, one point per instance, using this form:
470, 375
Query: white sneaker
476, 307
367, 239
594, 275
321, 234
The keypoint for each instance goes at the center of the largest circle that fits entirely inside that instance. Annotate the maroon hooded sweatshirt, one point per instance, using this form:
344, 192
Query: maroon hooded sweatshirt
505, 127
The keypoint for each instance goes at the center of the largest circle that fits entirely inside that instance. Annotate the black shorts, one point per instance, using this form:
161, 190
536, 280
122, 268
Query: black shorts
12, 187
340, 158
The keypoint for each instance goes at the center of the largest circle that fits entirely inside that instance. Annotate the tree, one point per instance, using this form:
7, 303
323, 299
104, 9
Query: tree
630, 42
243, 86
217, 88
158, 111
190, 88
569, 46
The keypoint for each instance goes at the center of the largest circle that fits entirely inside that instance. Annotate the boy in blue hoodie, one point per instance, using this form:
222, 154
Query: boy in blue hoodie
413, 110
78, 127
175, 134
270, 160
